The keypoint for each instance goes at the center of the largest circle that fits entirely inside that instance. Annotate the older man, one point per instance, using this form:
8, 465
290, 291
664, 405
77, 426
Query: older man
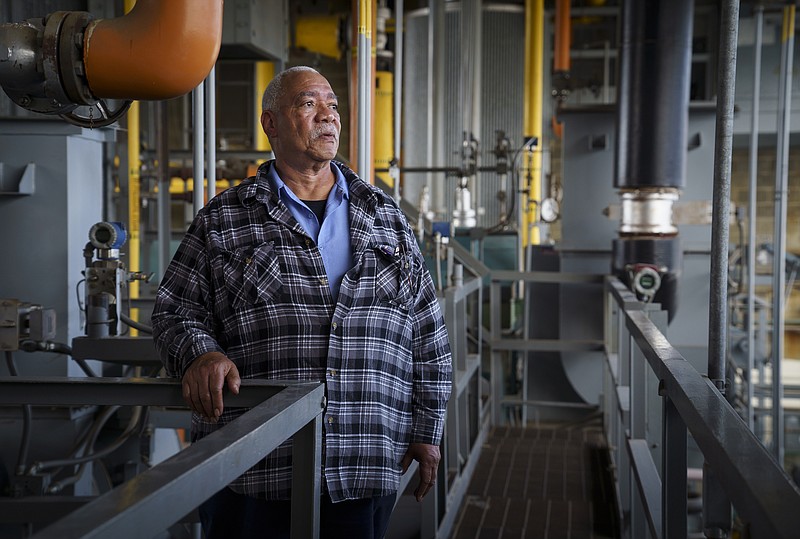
306, 272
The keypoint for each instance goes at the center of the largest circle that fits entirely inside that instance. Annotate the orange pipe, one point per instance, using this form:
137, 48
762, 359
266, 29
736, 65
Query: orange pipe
561, 60
160, 50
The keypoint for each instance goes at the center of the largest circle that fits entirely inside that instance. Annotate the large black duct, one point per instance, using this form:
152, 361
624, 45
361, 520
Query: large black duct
652, 125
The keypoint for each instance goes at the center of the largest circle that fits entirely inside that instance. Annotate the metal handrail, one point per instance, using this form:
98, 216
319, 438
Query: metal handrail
157, 498
762, 493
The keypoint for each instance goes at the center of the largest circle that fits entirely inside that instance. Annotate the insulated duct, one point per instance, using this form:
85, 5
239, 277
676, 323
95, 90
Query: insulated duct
159, 50
652, 124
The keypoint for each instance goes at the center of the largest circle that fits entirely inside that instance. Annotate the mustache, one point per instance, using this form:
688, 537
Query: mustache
324, 130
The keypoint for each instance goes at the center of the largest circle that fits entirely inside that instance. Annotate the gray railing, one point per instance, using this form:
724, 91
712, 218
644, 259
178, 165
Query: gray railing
157, 498
649, 414
502, 346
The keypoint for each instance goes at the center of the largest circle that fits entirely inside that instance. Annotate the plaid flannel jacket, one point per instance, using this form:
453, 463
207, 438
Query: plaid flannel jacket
247, 281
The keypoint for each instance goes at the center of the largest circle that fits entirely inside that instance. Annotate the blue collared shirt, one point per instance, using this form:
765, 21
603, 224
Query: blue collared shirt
333, 237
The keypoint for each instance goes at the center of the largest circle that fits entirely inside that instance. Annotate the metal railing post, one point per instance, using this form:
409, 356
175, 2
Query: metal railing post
673, 473
306, 449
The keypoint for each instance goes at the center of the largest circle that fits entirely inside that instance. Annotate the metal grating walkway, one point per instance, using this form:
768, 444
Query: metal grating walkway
543, 483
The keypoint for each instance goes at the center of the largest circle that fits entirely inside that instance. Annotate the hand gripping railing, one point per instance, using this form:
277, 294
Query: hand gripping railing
157, 498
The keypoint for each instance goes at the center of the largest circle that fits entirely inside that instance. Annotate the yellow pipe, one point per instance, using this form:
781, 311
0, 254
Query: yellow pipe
134, 191
384, 126
362, 16
534, 89
373, 13
320, 34
159, 50
787, 30
265, 72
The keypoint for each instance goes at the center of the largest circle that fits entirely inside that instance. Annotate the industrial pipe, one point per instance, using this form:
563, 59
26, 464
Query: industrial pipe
211, 134
532, 112
716, 502
159, 50
752, 200
563, 39
779, 234
398, 89
134, 191
652, 127
723, 150
366, 83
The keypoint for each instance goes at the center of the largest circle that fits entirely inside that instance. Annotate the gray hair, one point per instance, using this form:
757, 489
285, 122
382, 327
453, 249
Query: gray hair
274, 90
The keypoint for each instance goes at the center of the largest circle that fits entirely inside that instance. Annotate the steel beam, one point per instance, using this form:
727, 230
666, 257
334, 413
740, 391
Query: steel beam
61, 391
546, 276
546, 345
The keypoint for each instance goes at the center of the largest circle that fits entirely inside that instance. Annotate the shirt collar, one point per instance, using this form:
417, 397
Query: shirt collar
278, 185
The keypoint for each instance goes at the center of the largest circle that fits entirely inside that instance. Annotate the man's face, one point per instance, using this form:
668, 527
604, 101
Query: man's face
307, 123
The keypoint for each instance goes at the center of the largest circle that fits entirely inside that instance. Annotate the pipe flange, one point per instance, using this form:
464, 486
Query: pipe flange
72, 70
648, 212
55, 100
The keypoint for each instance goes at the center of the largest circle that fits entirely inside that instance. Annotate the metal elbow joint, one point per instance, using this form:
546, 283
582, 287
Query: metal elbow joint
41, 65
160, 50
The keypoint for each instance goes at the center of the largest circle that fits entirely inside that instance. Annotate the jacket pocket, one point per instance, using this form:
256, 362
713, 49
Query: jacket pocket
252, 275
396, 279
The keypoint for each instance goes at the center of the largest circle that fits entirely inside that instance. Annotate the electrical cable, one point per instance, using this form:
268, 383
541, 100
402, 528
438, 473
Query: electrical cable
90, 440
144, 328
57, 348
87, 437
130, 429
27, 418
87, 442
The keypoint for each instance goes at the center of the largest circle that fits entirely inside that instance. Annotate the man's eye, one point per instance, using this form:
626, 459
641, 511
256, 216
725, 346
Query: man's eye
334, 106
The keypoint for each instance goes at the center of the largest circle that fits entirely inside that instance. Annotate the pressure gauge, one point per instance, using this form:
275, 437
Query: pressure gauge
548, 210
646, 281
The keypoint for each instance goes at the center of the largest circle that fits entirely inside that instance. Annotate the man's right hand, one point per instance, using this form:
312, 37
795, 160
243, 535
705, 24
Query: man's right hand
203, 382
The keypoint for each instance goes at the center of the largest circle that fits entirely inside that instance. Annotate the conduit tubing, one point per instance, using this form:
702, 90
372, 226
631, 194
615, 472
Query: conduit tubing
365, 85
561, 58
752, 201
779, 235
160, 50
723, 148
198, 126
211, 134
716, 503
398, 88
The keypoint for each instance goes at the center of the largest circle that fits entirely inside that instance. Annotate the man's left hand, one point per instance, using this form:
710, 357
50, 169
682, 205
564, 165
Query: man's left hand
428, 457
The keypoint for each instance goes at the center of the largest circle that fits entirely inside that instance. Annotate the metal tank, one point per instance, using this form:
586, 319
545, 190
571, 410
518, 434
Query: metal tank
502, 75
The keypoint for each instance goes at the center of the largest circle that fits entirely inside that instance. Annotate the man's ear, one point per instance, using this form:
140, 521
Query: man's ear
268, 123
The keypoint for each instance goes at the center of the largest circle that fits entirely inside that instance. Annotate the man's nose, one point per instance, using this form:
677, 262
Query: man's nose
326, 114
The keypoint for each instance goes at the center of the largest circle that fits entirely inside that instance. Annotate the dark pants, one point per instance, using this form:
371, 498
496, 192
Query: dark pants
228, 515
